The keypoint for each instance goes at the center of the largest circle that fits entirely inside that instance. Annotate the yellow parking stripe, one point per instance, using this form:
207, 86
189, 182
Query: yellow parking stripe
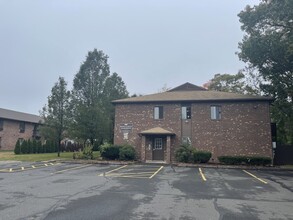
156, 172
74, 168
202, 175
19, 169
103, 174
261, 180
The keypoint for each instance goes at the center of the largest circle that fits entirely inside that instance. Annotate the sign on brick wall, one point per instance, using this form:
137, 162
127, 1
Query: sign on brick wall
126, 129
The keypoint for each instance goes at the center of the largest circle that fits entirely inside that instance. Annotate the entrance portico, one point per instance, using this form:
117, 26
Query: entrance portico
156, 145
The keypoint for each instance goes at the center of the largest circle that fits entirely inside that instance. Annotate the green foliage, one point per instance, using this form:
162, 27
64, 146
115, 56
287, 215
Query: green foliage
24, 147
86, 153
268, 48
93, 90
110, 152
126, 153
187, 154
247, 160
227, 83
57, 113
184, 153
201, 156
17, 149
29, 146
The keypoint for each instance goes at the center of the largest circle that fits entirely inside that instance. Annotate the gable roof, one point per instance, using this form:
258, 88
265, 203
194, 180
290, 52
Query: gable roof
187, 87
19, 116
191, 93
157, 130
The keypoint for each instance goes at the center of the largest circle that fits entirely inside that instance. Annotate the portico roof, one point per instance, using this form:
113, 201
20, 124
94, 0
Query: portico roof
157, 130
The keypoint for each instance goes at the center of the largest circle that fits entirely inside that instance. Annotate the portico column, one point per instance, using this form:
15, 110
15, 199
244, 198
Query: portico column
143, 139
168, 159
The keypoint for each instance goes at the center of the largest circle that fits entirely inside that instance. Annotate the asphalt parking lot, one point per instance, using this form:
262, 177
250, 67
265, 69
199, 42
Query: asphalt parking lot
51, 190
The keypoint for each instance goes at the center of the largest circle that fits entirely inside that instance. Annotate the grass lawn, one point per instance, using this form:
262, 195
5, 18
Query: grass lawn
9, 155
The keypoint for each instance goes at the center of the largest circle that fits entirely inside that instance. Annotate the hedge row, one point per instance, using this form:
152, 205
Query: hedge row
245, 160
34, 147
114, 152
187, 154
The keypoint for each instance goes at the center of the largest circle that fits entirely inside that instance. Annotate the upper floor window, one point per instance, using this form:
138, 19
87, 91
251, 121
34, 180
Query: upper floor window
1, 124
216, 112
22, 127
186, 112
158, 112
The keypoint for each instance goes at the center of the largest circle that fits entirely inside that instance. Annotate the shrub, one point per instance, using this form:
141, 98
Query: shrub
201, 156
24, 147
17, 149
249, 160
29, 146
86, 153
126, 152
110, 152
183, 153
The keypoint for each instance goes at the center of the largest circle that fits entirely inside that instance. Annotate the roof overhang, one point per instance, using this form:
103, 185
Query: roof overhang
157, 131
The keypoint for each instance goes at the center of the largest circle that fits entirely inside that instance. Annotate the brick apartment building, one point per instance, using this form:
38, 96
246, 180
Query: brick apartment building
220, 122
17, 126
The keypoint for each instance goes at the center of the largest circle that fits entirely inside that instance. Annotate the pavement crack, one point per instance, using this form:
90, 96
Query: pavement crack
217, 208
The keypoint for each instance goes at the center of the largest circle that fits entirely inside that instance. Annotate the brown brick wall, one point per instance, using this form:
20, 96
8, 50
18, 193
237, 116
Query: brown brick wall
244, 128
10, 134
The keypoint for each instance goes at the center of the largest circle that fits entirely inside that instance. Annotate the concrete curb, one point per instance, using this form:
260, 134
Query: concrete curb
215, 166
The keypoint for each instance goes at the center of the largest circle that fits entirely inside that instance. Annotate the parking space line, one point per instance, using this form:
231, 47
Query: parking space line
140, 173
106, 173
21, 169
156, 172
202, 175
74, 168
259, 179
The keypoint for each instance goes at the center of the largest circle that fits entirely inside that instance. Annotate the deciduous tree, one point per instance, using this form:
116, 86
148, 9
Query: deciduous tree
93, 90
268, 47
56, 113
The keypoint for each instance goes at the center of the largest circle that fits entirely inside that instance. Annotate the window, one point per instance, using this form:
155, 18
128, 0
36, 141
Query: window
22, 127
158, 112
215, 112
186, 112
158, 145
1, 124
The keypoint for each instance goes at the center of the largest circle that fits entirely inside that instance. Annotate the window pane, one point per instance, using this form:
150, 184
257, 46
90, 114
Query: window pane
22, 127
158, 112
158, 145
186, 112
216, 112
183, 112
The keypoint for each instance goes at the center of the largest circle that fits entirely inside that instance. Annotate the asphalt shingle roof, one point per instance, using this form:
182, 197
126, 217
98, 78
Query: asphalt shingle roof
19, 116
198, 95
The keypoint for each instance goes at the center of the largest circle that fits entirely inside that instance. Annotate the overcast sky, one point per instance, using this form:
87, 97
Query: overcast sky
150, 43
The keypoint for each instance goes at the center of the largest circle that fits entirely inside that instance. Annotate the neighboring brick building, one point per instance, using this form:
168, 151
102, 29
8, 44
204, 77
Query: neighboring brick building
17, 126
220, 122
